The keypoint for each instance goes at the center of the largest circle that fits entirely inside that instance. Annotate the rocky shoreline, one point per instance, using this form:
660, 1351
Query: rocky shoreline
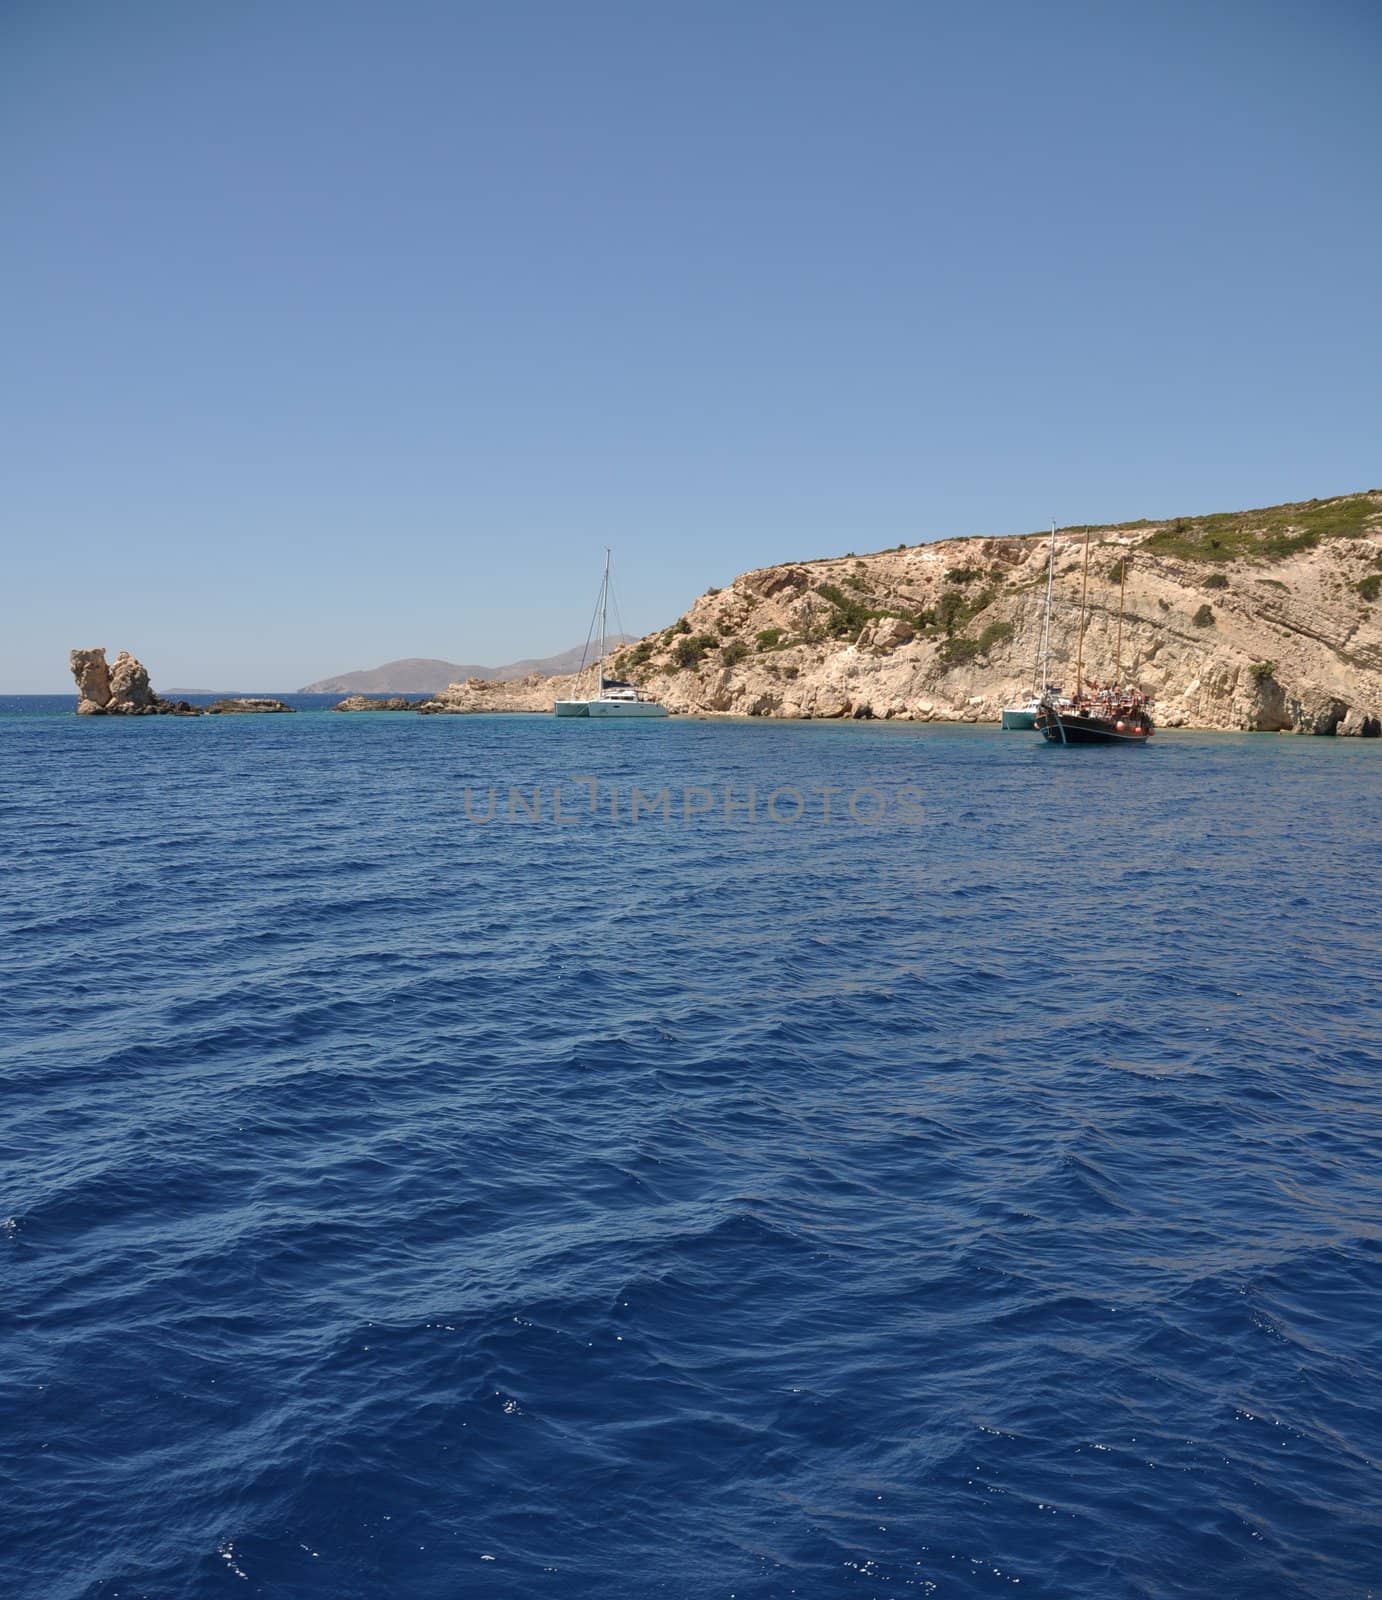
1260, 621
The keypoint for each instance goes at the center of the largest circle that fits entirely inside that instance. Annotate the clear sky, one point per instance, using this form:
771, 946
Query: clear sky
335, 332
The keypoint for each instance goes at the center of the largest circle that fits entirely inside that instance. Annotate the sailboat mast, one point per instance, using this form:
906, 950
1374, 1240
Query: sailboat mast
1046, 627
604, 620
1084, 590
1122, 585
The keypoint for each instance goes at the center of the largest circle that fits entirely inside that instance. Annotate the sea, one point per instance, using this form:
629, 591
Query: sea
492, 1158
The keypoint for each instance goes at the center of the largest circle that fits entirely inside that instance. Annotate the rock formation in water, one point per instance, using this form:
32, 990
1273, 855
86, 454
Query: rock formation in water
533, 693
120, 689
93, 680
246, 703
365, 702
1262, 620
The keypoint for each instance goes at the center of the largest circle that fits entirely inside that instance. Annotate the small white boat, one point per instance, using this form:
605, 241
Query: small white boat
613, 697
1022, 718
1017, 719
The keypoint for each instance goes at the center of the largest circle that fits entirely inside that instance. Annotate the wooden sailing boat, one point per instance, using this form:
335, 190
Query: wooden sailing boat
1109, 713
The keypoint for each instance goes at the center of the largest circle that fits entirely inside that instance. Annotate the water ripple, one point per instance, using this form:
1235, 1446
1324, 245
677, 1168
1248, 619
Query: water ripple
398, 1206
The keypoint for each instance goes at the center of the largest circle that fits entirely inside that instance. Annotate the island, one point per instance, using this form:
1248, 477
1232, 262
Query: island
1266, 621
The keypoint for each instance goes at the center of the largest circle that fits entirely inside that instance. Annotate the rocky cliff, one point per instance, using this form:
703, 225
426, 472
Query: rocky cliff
1265, 620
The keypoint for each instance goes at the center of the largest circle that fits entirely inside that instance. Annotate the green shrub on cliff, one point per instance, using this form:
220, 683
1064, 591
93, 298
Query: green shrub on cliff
847, 615
689, 652
961, 649
955, 609
1371, 586
995, 633
1204, 617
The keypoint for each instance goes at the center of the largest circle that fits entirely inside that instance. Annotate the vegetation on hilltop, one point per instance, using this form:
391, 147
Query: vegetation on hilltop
1269, 534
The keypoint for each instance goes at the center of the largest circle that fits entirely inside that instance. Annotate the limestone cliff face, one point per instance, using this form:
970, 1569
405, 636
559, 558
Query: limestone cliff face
1268, 620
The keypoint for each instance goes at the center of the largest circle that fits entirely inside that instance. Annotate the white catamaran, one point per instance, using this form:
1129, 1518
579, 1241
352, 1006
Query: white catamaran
613, 697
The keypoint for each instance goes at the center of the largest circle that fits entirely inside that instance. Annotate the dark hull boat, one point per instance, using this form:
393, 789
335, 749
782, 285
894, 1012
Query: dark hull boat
1084, 724
1100, 713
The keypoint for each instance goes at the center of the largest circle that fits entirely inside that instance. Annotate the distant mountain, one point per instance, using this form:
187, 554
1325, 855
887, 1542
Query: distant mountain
421, 675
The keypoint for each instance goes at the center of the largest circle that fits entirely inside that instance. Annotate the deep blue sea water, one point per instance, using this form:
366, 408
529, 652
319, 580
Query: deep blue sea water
979, 1200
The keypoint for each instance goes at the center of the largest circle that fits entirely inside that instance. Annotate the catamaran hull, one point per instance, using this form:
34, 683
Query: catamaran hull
572, 708
625, 708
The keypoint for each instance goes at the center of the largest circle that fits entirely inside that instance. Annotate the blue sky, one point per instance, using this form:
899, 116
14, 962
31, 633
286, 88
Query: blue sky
337, 332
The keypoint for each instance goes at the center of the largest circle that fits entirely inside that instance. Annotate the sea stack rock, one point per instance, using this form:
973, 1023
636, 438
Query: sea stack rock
129, 685
93, 681
122, 689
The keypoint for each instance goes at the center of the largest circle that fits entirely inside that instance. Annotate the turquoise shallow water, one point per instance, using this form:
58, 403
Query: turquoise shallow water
979, 1200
